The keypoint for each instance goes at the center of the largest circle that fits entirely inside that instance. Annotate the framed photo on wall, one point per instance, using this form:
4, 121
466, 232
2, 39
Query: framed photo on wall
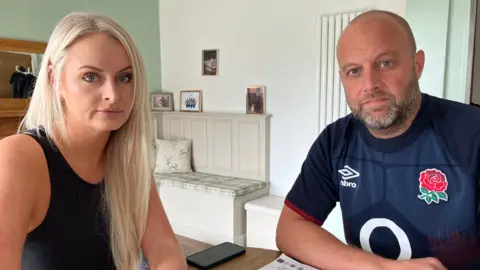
210, 62
255, 100
191, 101
161, 101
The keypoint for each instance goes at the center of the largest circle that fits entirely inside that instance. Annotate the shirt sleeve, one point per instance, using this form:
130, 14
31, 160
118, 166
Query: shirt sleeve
478, 205
314, 195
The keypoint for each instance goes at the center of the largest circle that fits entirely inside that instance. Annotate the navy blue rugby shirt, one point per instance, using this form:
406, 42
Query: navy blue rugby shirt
412, 196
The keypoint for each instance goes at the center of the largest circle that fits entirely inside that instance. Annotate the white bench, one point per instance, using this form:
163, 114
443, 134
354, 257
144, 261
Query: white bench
262, 219
230, 166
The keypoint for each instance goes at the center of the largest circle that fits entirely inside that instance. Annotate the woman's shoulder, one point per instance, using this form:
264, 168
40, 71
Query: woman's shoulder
24, 188
20, 145
22, 156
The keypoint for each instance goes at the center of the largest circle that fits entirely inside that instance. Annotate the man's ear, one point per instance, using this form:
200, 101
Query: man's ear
419, 63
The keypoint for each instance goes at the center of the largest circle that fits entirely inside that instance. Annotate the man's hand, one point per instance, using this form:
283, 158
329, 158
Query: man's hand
420, 264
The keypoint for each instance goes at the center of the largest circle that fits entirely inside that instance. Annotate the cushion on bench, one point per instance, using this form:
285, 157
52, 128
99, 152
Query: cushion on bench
210, 183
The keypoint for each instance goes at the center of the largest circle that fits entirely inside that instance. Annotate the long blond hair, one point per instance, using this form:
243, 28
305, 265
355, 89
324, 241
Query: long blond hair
127, 155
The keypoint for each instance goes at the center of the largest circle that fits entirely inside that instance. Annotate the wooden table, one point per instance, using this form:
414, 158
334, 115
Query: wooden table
253, 259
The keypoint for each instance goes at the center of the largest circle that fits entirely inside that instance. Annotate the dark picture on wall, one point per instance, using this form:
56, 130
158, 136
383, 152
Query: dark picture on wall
256, 100
210, 62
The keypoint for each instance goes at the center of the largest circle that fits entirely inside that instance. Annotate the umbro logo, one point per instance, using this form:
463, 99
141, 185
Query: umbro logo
348, 173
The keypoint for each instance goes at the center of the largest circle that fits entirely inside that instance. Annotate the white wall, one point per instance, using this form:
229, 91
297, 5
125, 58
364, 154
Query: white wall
433, 40
275, 43
446, 45
459, 60
261, 42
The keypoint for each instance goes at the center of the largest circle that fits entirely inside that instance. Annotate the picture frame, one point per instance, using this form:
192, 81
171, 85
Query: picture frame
161, 101
255, 100
210, 62
191, 101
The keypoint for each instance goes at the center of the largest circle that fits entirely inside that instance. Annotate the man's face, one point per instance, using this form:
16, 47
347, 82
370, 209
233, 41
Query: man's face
379, 72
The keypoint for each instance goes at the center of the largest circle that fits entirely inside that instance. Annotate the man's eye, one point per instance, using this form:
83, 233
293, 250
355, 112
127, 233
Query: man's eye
386, 63
353, 71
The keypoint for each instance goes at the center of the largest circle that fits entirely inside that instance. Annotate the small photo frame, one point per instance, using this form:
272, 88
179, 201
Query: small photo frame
161, 101
210, 62
191, 101
255, 100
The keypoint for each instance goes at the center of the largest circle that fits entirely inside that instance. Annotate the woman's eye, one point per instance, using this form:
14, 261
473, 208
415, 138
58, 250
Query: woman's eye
90, 77
125, 78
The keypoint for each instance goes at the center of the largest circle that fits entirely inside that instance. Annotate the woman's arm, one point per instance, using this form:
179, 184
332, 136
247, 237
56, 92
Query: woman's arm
159, 242
24, 191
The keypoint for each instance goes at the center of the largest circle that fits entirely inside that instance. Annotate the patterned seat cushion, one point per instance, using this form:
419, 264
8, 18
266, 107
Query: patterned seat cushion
210, 183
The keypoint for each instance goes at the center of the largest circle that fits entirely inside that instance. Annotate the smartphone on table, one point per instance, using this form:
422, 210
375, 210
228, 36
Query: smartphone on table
216, 255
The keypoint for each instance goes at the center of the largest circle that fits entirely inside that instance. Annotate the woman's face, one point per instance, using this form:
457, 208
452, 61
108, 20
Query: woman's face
96, 83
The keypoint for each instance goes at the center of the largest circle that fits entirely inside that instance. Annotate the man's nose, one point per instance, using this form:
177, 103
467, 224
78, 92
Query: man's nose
371, 80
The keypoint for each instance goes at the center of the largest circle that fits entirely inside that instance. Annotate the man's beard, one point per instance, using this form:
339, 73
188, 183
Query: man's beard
397, 112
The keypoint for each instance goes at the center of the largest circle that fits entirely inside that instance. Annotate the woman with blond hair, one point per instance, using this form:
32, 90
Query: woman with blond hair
76, 186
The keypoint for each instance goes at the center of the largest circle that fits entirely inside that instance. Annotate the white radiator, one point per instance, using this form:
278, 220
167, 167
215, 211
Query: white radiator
332, 104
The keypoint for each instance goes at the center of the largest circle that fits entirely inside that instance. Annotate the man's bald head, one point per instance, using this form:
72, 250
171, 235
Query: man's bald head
382, 16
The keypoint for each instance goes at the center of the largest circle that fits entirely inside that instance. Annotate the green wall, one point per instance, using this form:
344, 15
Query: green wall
35, 20
441, 28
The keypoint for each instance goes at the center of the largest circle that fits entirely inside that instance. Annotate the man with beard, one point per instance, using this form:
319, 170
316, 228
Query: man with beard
403, 165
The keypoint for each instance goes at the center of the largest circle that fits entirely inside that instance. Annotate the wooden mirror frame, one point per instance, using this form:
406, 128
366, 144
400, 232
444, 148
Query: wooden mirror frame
12, 110
25, 46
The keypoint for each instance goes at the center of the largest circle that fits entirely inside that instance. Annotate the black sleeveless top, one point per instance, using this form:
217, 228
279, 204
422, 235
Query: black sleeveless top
74, 233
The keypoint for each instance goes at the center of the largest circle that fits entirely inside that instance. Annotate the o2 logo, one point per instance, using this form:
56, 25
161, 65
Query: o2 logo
402, 238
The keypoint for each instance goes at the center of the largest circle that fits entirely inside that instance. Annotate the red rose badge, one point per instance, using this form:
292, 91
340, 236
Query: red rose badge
433, 184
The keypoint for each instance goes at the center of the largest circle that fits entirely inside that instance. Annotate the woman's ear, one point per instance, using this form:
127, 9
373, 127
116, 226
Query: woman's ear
51, 75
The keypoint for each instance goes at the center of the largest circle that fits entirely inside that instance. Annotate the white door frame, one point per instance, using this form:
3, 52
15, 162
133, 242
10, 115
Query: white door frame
471, 50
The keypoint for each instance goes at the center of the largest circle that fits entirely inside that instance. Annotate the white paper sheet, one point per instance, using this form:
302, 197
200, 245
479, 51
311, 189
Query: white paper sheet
286, 263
